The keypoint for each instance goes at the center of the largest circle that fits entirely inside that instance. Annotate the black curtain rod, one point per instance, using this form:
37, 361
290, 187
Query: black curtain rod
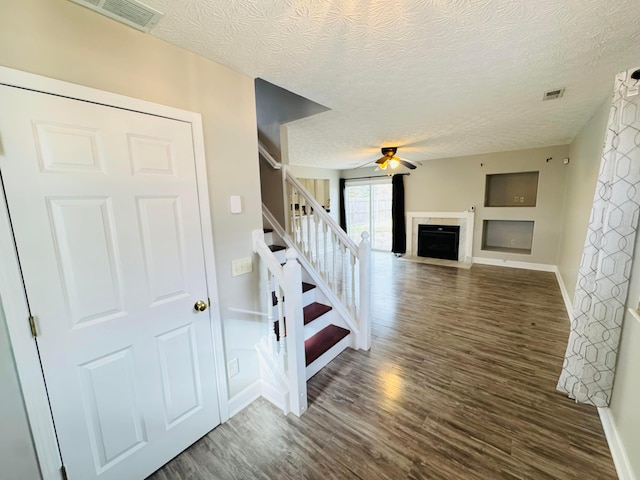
376, 176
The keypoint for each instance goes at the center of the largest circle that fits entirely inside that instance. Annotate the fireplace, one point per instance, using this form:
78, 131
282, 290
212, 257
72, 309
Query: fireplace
438, 241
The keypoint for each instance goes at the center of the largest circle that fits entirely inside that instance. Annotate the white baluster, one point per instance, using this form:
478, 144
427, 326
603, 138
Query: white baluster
282, 330
326, 253
316, 224
333, 270
307, 212
352, 301
281, 326
273, 339
343, 273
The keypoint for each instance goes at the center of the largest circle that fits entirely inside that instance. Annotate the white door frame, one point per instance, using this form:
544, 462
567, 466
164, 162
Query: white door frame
12, 292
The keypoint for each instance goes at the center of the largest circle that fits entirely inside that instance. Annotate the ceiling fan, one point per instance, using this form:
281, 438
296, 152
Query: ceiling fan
389, 160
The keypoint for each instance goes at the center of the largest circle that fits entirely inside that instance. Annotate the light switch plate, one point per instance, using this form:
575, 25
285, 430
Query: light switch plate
235, 203
240, 266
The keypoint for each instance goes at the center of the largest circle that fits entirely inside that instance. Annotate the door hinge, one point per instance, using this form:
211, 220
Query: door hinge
32, 325
63, 472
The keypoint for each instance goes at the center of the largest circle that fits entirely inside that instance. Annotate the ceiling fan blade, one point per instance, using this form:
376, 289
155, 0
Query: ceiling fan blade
407, 164
382, 160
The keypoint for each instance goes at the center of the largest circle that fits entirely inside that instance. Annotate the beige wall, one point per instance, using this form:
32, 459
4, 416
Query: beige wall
585, 153
456, 184
59, 39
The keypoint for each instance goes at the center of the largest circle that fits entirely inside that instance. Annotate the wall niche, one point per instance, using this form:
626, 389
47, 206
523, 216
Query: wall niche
511, 189
508, 236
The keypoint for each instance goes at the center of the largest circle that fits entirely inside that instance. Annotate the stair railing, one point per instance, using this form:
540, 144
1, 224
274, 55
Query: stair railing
285, 339
342, 265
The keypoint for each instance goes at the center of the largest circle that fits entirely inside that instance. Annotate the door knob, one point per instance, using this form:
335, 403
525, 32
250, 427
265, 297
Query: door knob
200, 306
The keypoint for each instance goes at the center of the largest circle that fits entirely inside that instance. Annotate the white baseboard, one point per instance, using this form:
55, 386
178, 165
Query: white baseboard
244, 398
498, 262
277, 397
616, 447
568, 303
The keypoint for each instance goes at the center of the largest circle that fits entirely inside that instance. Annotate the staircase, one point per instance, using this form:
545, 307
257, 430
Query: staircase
315, 289
325, 336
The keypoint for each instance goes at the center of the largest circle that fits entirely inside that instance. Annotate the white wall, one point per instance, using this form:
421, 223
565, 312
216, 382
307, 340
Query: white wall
17, 455
586, 153
62, 40
456, 184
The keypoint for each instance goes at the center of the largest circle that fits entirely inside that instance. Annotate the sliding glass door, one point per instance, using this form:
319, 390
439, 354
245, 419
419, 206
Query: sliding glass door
368, 209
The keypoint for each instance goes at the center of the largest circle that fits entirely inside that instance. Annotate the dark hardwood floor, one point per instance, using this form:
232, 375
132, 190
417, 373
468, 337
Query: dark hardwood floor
459, 384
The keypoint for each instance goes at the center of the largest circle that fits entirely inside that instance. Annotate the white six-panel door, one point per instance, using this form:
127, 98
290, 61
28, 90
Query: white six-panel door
104, 208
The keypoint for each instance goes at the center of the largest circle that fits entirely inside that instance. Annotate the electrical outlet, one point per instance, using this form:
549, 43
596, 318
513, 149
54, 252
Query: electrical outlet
233, 367
240, 266
521, 199
515, 199
512, 242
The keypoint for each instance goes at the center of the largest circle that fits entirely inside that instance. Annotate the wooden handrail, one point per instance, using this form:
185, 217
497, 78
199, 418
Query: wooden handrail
268, 157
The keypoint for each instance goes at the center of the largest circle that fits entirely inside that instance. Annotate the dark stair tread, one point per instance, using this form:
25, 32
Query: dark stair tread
314, 310
323, 341
305, 288
277, 248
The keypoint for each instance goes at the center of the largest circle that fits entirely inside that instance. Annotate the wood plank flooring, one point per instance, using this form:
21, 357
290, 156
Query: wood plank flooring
459, 384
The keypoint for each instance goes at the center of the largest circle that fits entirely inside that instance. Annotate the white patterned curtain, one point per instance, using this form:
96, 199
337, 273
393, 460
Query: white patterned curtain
603, 279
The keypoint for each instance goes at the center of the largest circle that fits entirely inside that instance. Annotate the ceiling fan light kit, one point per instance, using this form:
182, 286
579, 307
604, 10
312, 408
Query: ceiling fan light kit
390, 160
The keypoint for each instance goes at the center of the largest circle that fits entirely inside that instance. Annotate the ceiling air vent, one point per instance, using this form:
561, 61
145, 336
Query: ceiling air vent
553, 94
130, 12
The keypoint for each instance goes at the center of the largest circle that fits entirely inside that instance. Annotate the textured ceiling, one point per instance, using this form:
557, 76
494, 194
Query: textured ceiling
440, 77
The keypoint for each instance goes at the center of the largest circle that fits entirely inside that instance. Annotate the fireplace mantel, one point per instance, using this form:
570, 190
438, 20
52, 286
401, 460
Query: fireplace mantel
464, 219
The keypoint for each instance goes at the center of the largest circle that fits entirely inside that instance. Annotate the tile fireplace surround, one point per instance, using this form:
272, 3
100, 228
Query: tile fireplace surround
464, 219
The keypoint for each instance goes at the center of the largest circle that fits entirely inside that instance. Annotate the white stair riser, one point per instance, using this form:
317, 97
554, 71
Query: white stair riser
319, 323
327, 356
281, 255
268, 238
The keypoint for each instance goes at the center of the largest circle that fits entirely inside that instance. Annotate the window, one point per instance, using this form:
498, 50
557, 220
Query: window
368, 209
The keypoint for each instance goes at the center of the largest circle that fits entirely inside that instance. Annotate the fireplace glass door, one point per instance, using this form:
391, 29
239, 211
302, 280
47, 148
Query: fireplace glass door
368, 209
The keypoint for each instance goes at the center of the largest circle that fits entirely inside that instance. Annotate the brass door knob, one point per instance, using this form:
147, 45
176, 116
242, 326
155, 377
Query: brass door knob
200, 306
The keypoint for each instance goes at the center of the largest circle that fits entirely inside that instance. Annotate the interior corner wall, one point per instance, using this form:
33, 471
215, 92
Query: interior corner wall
456, 184
62, 40
326, 174
17, 453
585, 153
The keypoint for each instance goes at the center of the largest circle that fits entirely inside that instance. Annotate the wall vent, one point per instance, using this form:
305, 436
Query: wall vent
130, 12
553, 94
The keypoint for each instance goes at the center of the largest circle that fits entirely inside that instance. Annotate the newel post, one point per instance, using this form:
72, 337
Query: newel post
364, 257
294, 322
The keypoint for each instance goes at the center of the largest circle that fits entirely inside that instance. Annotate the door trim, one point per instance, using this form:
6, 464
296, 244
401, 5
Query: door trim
12, 292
